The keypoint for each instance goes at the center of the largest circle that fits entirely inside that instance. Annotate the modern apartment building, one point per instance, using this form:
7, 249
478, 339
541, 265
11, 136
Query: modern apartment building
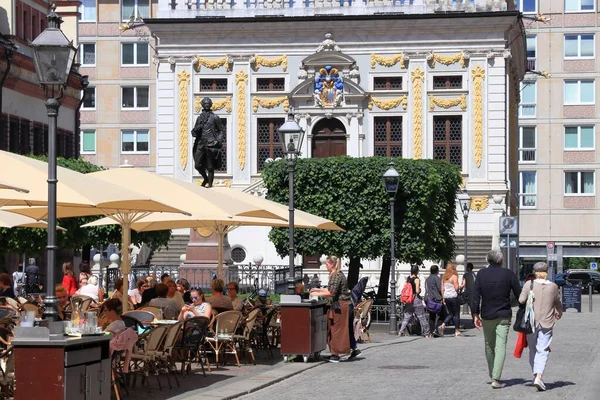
558, 132
119, 105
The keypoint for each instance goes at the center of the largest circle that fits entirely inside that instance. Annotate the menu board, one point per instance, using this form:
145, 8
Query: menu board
571, 297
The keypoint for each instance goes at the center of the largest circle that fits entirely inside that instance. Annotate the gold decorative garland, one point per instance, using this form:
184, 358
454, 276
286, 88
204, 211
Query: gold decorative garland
217, 104
388, 61
388, 104
447, 103
478, 75
479, 203
271, 103
212, 64
270, 62
417, 77
241, 79
183, 78
448, 60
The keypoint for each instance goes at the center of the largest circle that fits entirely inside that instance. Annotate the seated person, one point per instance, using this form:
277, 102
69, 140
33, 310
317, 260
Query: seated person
183, 287
232, 290
6, 286
263, 299
118, 293
174, 295
150, 292
299, 290
135, 295
91, 289
198, 308
218, 300
112, 309
63, 298
168, 306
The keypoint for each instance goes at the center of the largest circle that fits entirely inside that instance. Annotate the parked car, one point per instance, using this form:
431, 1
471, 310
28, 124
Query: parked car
587, 278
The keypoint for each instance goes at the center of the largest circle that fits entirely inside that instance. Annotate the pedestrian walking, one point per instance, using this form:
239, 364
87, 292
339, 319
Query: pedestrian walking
340, 317
492, 311
547, 308
468, 284
416, 307
450, 298
434, 299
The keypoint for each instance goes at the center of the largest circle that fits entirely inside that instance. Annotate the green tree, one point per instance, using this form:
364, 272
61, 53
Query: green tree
350, 192
33, 241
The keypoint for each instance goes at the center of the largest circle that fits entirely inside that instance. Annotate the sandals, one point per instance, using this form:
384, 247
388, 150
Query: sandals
459, 335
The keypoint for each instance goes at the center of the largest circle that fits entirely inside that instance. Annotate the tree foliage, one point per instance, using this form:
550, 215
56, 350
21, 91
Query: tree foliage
350, 192
33, 241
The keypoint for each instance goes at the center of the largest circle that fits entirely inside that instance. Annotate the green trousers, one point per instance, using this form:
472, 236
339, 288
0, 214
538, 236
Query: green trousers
495, 333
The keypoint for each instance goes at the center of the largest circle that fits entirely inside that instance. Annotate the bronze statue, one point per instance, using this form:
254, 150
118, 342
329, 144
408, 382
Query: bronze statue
208, 132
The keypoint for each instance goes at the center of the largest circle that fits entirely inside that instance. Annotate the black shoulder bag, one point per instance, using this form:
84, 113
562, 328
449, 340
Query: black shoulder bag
523, 324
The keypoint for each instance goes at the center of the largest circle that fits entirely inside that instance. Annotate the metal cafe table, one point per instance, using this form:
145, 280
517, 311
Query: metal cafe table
303, 327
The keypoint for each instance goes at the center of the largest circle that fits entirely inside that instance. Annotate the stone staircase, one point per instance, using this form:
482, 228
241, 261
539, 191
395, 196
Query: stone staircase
478, 247
169, 256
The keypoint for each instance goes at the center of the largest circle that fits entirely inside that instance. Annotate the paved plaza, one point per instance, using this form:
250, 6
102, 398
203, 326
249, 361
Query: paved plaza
415, 367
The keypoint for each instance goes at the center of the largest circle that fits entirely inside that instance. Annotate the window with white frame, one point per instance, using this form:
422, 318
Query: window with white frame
87, 54
579, 137
579, 5
531, 52
528, 99
527, 143
579, 92
135, 97
528, 189
89, 98
87, 11
579, 182
88, 141
134, 53
579, 46
134, 141
135, 9
527, 6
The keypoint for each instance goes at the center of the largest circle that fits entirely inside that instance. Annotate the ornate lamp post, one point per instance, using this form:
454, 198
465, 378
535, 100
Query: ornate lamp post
391, 180
465, 206
53, 55
291, 136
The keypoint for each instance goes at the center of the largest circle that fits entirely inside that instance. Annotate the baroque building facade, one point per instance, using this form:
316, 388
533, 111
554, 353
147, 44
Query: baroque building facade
386, 79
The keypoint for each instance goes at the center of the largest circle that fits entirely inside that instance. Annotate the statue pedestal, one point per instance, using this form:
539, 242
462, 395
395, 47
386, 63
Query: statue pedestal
202, 254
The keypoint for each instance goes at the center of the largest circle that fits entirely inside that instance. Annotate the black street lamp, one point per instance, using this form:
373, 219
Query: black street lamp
465, 206
53, 55
391, 180
291, 136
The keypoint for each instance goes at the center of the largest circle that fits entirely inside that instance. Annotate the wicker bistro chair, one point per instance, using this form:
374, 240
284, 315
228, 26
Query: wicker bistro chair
143, 361
81, 303
244, 341
192, 341
226, 324
363, 313
165, 352
135, 324
261, 334
7, 374
156, 311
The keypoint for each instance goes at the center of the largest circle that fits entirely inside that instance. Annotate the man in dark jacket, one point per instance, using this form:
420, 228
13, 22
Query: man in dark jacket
492, 311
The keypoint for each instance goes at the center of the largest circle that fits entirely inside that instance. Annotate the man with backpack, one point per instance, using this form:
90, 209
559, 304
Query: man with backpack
413, 304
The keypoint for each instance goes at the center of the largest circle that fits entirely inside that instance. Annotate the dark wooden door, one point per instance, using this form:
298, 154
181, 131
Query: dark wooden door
329, 139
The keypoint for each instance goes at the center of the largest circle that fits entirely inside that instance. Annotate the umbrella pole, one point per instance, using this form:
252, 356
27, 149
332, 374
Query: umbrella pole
125, 267
220, 239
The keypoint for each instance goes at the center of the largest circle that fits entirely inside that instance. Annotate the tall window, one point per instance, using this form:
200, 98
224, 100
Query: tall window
135, 97
87, 54
447, 139
531, 52
527, 144
527, 6
579, 92
87, 11
135, 9
388, 136
134, 53
267, 139
528, 189
579, 5
134, 141
528, 99
579, 137
579, 46
89, 98
88, 141
580, 182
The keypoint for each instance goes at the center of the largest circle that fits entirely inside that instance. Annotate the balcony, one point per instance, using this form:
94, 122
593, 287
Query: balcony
526, 110
528, 200
297, 8
531, 64
527, 155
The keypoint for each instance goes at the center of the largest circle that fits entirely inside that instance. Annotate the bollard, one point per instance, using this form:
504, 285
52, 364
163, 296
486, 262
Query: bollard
591, 292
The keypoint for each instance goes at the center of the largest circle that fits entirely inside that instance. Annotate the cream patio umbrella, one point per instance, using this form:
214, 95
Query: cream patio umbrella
11, 187
12, 220
207, 225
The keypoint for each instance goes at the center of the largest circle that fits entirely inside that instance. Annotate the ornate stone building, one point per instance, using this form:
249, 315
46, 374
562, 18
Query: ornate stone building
387, 78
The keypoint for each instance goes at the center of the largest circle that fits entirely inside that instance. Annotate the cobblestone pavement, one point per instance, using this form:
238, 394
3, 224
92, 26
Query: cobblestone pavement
449, 366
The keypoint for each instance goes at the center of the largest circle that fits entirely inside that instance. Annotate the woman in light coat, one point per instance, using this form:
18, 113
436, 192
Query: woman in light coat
547, 308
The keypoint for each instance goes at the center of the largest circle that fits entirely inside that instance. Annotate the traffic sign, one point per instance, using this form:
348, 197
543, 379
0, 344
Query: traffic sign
552, 257
509, 226
511, 242
593, 265
550, 245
